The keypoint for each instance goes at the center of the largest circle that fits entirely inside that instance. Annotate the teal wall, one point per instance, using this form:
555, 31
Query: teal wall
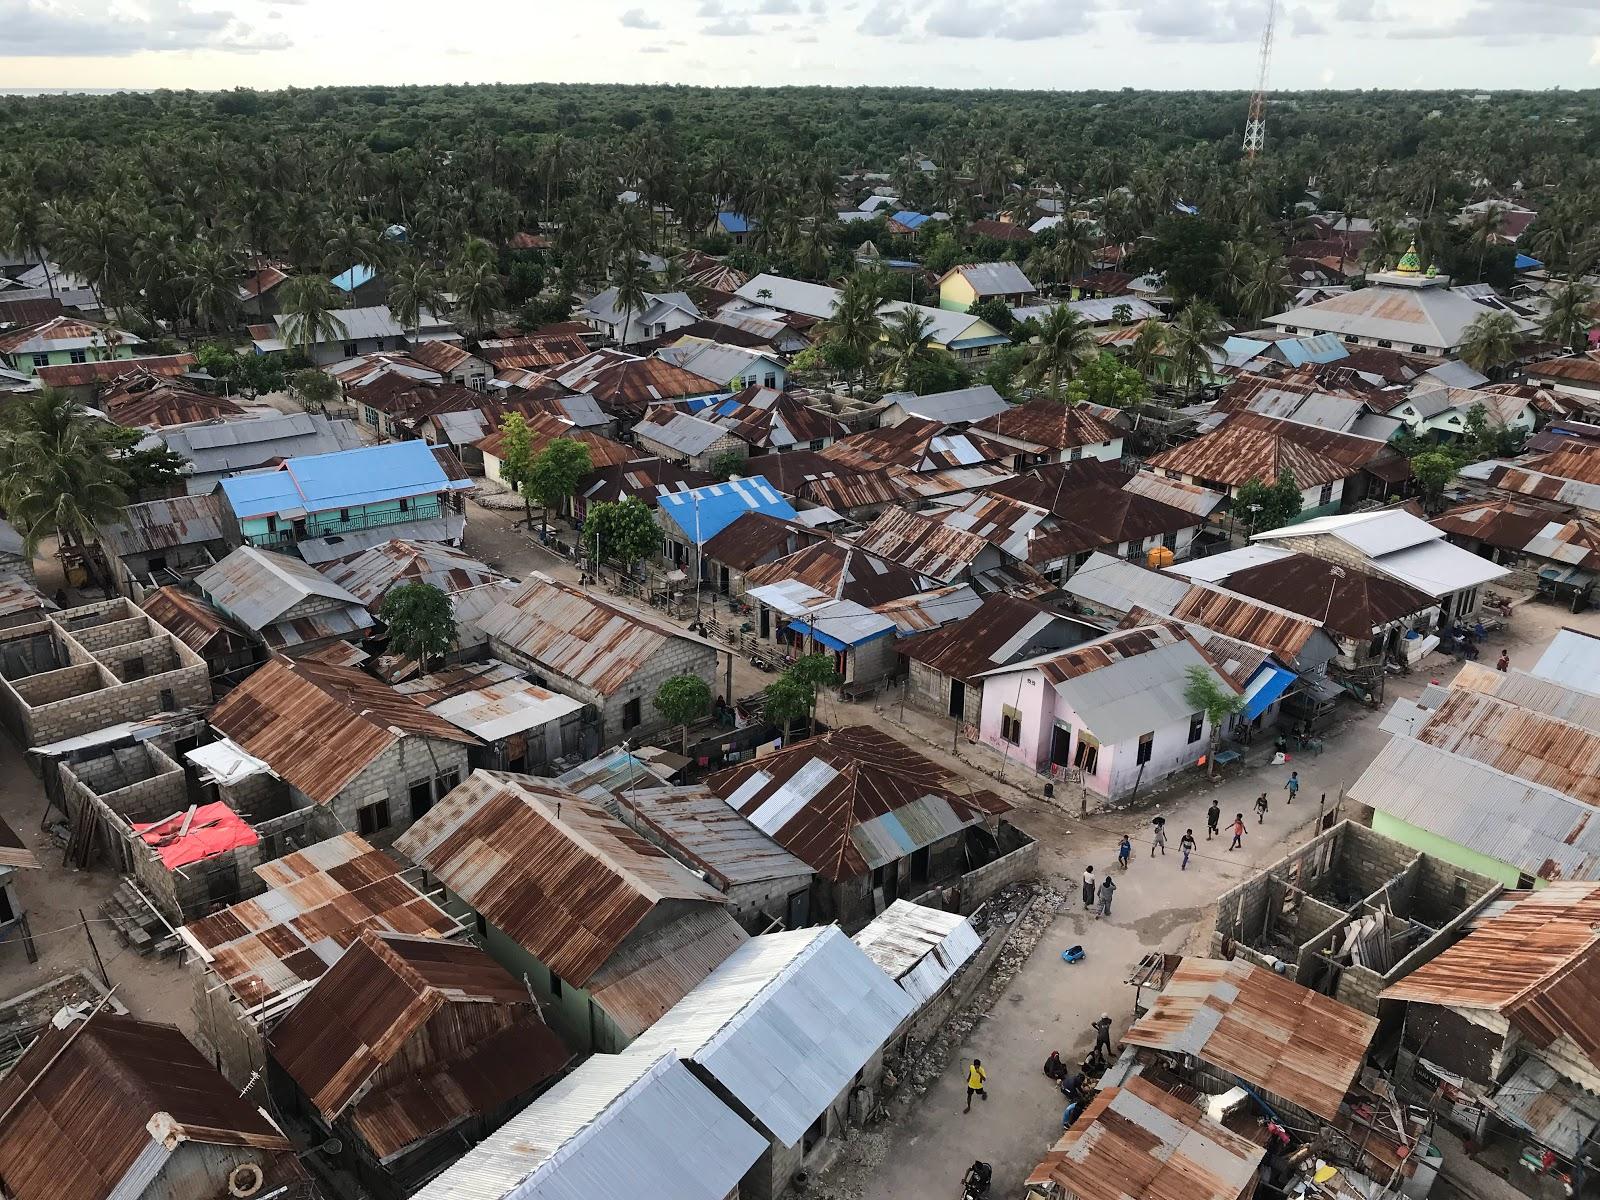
256, 531
61, 358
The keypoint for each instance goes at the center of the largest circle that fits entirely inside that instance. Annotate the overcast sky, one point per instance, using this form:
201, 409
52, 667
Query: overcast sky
960, 43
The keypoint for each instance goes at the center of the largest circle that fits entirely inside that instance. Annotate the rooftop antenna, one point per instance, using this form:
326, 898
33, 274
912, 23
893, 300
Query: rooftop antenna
1255, 127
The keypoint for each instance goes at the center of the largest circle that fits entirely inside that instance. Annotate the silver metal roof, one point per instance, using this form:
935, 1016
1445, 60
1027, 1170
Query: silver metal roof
681, 432
375, 321
1508, 819
961, 405
160, 524
620, 1127
256, 587
1113, 585
920, 948
783, 1024
1572, 659
1136, 695
995, 278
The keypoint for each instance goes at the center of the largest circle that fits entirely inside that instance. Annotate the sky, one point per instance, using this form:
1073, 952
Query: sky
1060, 44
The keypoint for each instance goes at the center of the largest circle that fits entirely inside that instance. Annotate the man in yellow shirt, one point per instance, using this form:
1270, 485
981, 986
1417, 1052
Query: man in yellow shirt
976, 1078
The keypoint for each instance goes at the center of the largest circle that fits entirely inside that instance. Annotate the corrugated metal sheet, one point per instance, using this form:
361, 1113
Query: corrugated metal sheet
815, 797
918, 445
1268, 1031
1519, 741
163, 524
626, 386
1137, 694
958, 407
1050, 424
655, 967
920, 544
368, 576
619, 1126
754, 538
1572, 659
842, 572
555, 873
257, 587
1236, 453
698, 828
573, 633
1285, 633
87, 1108
167, 404
1536, 960
190, 619
666, 426
1533, 828
784, 1025
1558, 1113
1193, 499
318, 725
1529, 691
1138, 1140
702, 513
1340, 598
1002, 631
920, 948
344, 479
1107, 584
931, 609
615, 770
318, 901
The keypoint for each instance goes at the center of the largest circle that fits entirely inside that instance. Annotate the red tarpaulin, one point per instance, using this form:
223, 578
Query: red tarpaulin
214, 829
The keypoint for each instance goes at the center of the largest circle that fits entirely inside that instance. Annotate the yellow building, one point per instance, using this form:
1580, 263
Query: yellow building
972, 283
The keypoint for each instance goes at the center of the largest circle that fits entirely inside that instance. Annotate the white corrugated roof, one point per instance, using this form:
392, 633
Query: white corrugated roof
620, 1126
1372, 533
1214, 568
784, 1025
918, 947
1572, 659
1438, 568
1136, 695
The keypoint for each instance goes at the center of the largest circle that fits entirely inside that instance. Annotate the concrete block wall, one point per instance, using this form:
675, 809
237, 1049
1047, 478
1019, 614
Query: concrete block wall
122, 632
50, 687
676, 657
154, 655
257, 798
390, 777
1443, 891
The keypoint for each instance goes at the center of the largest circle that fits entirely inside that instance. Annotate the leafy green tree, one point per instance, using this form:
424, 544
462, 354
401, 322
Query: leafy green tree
852, 333
1570, 317
150, 473
1267, 505
624, 531
1433, 471
1187, 251
555, 473
937, 371
1065, 342
316, 389
815, 672
310, 313
1203, 693
1103, 379
632, 284
683, 700
420, 621
1490, 342
995, 311
1192, 339
478, 293
414, 288
1484, 437
516, 458
1003, 368
1149, 353
786, 700
727, 464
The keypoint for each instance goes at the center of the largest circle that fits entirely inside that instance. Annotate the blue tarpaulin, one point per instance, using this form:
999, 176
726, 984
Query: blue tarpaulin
1269, 683
1526, 262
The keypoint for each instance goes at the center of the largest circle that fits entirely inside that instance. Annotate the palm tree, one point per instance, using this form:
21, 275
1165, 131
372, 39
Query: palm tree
1384, 248
1148, 353
22, 228
1490, 342
1235, 266
212, 274
415, 287
906, 344
1198, 331
55, 473
310, 313
1065, 343
1486, 226
478, 293
631, 282
856, 327
1570, 316
1264, 292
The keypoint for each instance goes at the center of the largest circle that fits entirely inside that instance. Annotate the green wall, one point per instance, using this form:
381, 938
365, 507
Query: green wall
1432, 843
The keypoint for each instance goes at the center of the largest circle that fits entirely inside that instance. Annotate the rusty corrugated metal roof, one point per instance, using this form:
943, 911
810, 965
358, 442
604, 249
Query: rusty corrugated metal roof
1238, 452
319, 899
546, 427
555, 873
1340, 598
919, 445
369, 575
1534, 957
190, 619
167, 404
1519, 741
698, 828
165, 524
534, 352
1138, 1140
318, 725
84, 374
1284, 633
1268, 1031
593, 641
625, 386
1046, 422
852, 799
841, 571
394, 1007
996, 635
85, 1103
922, 544
1503, 522
755, 538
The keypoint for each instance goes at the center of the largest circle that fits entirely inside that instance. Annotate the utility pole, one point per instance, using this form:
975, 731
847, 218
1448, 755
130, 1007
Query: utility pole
1255, 127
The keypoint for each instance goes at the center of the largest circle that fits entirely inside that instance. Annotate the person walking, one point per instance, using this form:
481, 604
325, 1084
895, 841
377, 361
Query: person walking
1186, 844
1505, 661
977, 1077
1107, 890
1124, 852
1088, 888
1238, 829
1261, 808
1158, 840
1293, 786
1213, 818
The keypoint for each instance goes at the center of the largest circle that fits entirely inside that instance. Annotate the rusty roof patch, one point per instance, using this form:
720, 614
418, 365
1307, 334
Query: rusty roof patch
1285, 633
190, 619
86, 374
922, 544
371, 574
1518, 741
1269, 1031
841, 571
165, 404
1343, 599
1050, 423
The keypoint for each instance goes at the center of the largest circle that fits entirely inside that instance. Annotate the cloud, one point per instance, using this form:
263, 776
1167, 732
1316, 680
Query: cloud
1357, 10
99, 28
637, 18
1594, 58
732, 25
1514, 20
1197, 21
778, 7
884, 19
652, 50
709, 8
1305, 23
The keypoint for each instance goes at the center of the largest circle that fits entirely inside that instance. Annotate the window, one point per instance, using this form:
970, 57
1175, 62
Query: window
1075, 454
1197, 724
371, 415
168, 700
1326, 495
770, 379
405, 504
78, 356
1419, 349
630, 714
134, 668
817, 443
446, 784
814, 1135
1147, 742
344, 515
1170, 540
1385, 344
1351, 338
1010, 725
421, 796
350, 350
41, 360
555, 985
370, 818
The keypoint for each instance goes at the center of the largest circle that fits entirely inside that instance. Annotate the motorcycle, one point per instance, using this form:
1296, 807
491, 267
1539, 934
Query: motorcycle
975, 1183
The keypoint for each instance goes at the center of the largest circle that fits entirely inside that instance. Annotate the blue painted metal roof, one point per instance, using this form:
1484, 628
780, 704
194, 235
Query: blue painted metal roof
1268, 684
912, 220
733, 222
357, 276
843, 631
345, 479
1323, 348
1526, 262
704, 512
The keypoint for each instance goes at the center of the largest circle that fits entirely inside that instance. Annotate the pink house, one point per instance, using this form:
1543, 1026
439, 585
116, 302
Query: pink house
1112, 708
